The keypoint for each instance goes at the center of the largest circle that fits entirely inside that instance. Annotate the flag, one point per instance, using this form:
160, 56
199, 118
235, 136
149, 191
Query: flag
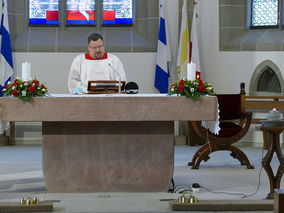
163, 53
6, 50
194, 50
183, 49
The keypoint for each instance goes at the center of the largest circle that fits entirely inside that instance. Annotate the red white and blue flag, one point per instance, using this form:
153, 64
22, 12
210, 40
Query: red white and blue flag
163, 53
7, 69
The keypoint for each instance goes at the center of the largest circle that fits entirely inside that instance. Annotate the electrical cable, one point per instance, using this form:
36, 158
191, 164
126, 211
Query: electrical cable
243, 195
182, 189
258, 185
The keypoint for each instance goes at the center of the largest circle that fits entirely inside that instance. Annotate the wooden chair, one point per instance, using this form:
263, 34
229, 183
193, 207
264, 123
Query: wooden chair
234, 124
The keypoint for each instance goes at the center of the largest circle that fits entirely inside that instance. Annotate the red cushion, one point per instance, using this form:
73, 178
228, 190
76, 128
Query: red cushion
228, 129
230, 106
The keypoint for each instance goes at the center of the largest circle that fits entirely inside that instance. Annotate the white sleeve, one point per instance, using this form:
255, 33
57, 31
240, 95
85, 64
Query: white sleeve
74, 79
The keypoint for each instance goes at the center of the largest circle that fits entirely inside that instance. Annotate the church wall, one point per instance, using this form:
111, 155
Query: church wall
224, 69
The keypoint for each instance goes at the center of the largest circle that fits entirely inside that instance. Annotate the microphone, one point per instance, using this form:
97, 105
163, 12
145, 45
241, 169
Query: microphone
119, 77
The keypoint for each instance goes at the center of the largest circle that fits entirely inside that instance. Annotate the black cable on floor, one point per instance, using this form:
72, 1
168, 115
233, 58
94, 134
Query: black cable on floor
243, 195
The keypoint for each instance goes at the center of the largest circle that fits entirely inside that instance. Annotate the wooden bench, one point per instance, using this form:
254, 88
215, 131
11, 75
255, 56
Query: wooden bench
260, 104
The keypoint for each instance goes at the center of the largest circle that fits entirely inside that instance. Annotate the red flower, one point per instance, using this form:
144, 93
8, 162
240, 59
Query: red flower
6, 87
32, 89
181, 85
43, 87
15, 93
35, 82
201, 88
16, 84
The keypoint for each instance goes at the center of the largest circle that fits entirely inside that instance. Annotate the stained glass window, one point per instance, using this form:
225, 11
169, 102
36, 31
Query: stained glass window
81, 12
117, 12
264, 13
43, 12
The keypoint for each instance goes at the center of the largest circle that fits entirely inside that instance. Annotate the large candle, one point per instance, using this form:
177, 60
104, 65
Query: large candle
191, 69
26, 71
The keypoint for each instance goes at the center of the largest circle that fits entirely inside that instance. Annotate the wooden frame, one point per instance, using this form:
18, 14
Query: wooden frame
261, 103
218, 143
103, 87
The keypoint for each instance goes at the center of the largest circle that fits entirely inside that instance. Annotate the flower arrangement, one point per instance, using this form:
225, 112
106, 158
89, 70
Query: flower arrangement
25, 90
191, 89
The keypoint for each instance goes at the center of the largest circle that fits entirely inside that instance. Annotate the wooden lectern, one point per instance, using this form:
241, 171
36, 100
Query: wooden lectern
103, 87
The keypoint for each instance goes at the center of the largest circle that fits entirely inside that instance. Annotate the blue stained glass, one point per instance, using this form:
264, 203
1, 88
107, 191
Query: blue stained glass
43, 12
117, 12
264, 12
81, 12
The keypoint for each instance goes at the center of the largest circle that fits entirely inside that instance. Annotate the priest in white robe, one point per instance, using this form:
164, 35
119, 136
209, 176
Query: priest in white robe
95, 65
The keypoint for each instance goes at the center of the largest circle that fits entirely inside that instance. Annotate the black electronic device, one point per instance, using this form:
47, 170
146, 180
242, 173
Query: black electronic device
131, 88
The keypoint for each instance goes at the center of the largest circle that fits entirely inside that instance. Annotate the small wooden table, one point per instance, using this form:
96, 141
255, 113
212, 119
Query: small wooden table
274, 146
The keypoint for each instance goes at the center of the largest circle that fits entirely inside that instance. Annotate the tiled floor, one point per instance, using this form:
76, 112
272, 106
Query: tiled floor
221, 178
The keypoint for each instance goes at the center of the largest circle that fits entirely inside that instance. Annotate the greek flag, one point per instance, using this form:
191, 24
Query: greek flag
163, 53
6, 51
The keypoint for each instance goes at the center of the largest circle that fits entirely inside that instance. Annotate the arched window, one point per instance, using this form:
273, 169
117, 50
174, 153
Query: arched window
268, 82
264, 13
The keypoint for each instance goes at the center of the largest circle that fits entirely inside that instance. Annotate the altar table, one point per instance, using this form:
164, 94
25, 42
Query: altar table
108, 143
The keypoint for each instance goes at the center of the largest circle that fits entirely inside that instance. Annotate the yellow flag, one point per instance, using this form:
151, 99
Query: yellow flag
183, 50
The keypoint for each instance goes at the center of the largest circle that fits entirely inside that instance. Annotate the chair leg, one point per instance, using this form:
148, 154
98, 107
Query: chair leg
241, 156
204, 156
197, 154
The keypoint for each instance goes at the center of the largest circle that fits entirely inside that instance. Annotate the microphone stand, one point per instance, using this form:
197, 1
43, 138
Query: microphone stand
119, 78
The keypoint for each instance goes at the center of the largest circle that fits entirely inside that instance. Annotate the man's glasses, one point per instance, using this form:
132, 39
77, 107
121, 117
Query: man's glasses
94, 48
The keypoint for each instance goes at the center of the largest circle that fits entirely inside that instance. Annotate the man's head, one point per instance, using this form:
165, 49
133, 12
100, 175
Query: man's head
96, 47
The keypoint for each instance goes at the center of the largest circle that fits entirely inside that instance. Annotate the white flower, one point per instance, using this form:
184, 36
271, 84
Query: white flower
38, 88
13, 87
209, 88
9, 82
4, 90
33, 84
26, 84
191, 89
18, 78
21, 86
24, 93
172, 89
43, 90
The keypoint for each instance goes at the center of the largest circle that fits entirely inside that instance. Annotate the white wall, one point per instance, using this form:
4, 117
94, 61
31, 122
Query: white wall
53, 69
225, 70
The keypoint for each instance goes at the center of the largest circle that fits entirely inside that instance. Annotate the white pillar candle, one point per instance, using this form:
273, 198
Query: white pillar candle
26, 71
191, 69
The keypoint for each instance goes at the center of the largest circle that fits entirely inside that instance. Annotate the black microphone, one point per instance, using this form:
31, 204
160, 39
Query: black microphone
119, 77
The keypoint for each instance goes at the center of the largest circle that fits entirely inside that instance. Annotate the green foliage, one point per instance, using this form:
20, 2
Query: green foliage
191, 89
25, 90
